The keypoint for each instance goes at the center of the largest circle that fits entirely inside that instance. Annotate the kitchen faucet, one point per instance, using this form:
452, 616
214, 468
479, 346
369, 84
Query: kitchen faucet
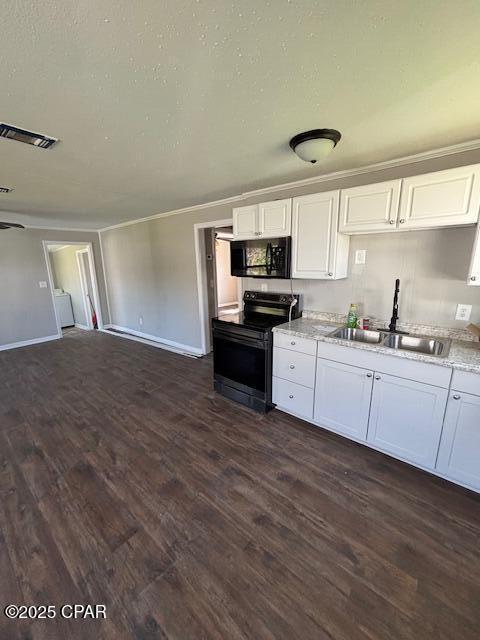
392, 327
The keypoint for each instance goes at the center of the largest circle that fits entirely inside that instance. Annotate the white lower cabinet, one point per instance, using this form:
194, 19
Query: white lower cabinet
295, 367
293, 398
342, 398
459, 454
406, 418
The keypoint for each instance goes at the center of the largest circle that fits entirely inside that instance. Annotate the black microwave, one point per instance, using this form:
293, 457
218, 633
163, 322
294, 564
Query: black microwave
262, 258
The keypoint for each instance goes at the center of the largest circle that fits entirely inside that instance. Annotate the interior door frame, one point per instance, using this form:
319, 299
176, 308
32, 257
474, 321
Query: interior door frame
202, 284
84, 286
93, 272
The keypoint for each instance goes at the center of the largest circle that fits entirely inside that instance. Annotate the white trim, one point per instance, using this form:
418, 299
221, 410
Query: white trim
107, 294
55, 249
49, 228
93, 271
28, 343
202, 278
155, 341
84, 286
51, 286
472, 145
82, 326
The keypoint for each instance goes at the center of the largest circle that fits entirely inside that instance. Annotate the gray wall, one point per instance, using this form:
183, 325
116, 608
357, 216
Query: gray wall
151, 266
67, 277
432, 266
26, 311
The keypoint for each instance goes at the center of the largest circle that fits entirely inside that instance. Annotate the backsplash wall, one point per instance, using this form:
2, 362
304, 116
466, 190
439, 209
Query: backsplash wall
432, 266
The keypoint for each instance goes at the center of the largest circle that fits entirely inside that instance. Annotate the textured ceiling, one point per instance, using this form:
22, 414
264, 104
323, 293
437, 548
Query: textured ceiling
160, 105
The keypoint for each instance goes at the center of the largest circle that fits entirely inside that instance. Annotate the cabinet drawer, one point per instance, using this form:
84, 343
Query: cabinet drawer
293, 366
466, 382
293, 398
304, 345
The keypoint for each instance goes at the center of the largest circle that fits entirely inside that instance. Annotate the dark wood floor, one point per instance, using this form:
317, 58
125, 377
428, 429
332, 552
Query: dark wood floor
125, 480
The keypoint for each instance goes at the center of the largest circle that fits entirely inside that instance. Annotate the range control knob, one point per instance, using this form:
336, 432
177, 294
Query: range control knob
247, 295
283, 298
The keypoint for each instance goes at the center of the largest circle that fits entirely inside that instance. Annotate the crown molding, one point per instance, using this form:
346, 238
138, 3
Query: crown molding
49, 228
175, 212
472, 145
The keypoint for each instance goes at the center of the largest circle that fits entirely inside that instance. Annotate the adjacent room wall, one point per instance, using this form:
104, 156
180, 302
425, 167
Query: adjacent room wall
226, 284
67, 277
26, 310
151, 266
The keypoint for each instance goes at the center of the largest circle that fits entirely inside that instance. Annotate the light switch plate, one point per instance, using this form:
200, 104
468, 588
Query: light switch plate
360, 256
42, 284
464, 311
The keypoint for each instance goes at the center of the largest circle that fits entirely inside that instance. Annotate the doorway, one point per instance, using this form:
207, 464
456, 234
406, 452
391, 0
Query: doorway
219, 293
73, 285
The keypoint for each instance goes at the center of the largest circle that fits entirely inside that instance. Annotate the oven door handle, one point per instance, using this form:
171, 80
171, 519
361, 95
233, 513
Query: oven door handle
250, 342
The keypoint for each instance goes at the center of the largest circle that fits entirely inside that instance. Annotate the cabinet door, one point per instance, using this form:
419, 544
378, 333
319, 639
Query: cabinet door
314, 231
245, 222
342, 398
440, 199
459, 454
370, 208
406, 418
275, 218
474, 271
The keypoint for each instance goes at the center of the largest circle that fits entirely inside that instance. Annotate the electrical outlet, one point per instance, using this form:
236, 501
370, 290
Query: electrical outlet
360, 256
140, 320
464, 312
42, 284
264, 287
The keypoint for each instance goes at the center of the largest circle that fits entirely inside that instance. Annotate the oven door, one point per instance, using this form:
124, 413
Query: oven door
242, 361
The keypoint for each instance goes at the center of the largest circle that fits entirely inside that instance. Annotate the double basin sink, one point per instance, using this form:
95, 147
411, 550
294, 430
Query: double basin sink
418, 344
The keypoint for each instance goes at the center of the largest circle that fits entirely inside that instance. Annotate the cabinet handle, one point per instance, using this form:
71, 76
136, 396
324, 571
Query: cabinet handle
378, 378
291, 397
456, 396
369, 375
330, 273
292, 366
391, 222
293, 342
402, 221
473, 278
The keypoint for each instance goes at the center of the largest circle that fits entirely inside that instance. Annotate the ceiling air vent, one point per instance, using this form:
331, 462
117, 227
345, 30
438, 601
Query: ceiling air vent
5, 190
37, 139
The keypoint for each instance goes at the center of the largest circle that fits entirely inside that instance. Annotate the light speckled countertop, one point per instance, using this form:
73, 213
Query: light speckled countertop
463, 355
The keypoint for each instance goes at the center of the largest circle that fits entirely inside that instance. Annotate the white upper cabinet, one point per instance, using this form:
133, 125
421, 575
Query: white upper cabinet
459, 454
275, 218
370, 208
245, 222
406, 418
318, 250
265, 220
474, 271
440, 199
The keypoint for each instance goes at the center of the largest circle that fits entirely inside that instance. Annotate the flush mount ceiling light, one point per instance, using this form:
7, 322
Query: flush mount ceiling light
314, 145
22, 135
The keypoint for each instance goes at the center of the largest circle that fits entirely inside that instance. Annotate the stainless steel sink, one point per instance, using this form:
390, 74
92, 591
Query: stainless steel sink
359, 335
419, 344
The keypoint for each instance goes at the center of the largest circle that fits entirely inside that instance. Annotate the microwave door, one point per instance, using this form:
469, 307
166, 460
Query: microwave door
268, 259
